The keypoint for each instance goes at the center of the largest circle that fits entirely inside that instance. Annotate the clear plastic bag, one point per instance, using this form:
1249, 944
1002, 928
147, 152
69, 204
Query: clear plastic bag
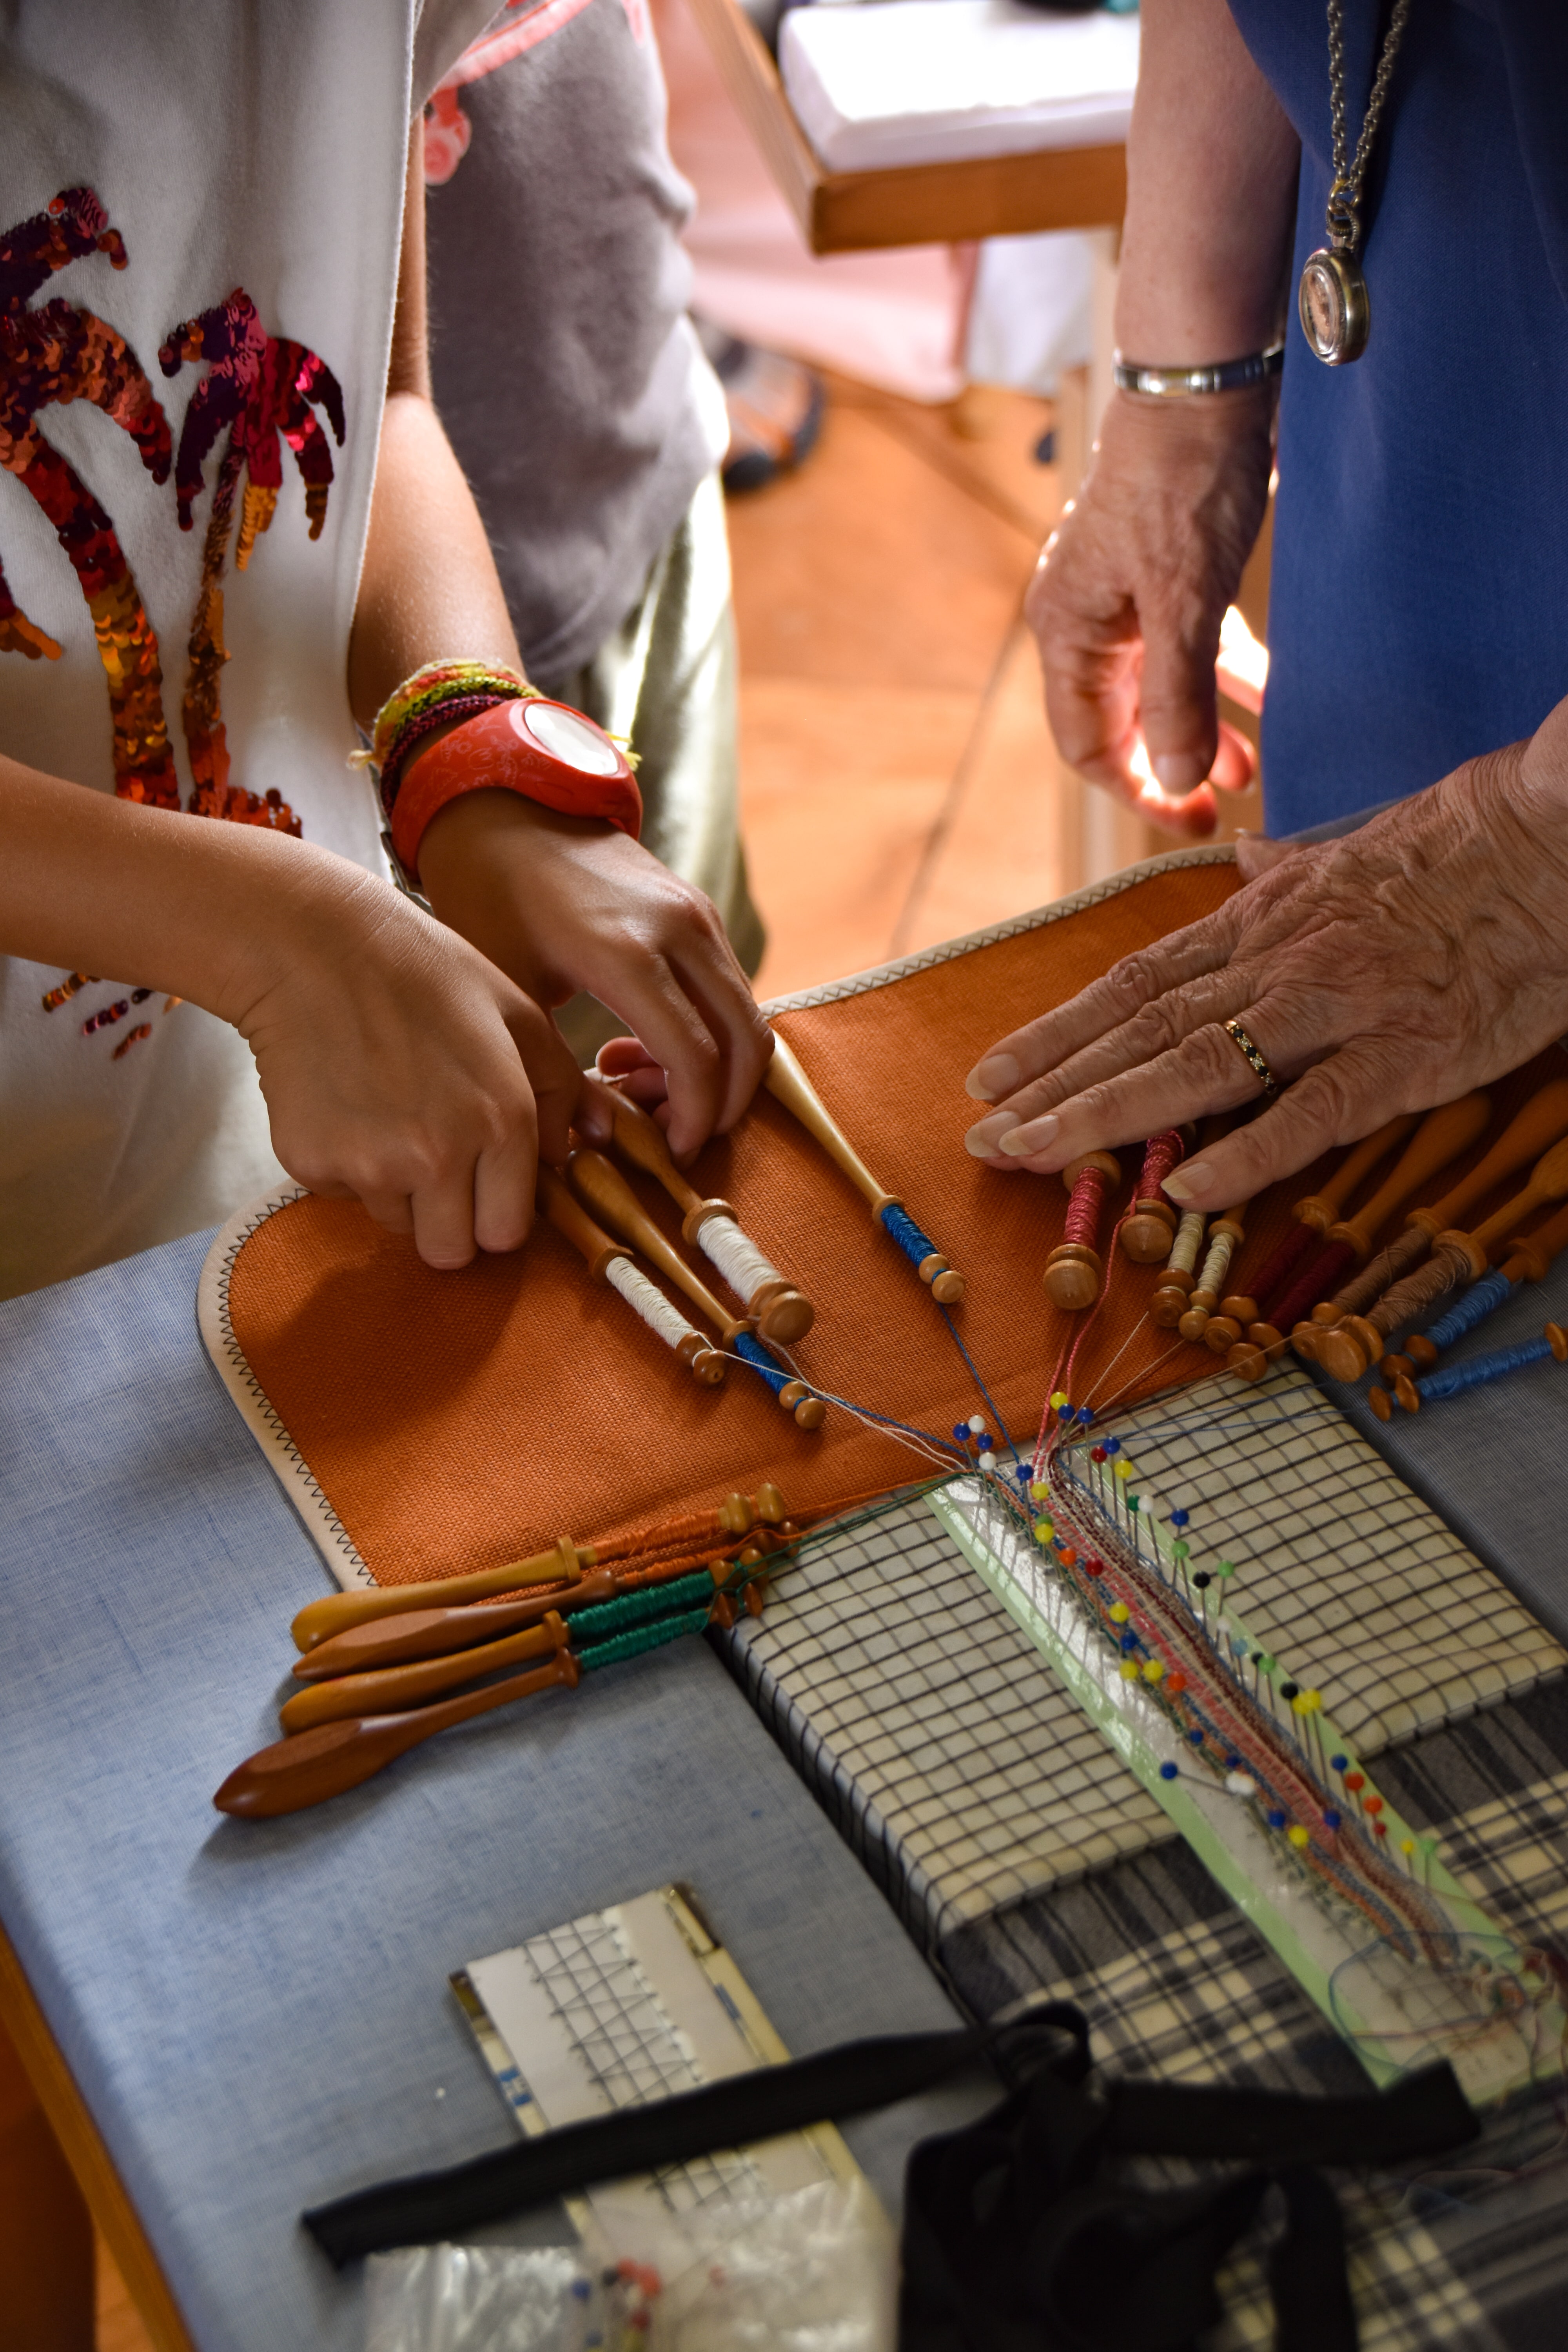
814, 2272
484, 2299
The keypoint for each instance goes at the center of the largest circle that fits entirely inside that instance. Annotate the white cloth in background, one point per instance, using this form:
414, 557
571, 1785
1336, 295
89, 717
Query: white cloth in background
1029, 315
892, 318
938, 81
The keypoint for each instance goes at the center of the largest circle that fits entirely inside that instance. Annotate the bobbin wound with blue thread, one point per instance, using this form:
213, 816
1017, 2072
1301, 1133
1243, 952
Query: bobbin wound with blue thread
1481, 1370
788, 1083
807, 1411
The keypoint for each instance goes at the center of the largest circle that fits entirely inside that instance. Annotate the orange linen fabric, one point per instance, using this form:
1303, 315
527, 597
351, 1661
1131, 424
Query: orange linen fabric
456, 1421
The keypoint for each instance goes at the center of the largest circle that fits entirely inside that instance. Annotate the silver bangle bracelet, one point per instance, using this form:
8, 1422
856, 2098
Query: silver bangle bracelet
1177, 383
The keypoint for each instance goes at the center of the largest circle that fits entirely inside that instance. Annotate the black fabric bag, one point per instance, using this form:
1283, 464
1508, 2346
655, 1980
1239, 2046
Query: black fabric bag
1022, 2233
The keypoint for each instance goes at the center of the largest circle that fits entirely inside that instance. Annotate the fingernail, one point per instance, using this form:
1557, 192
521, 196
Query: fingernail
998, 1074
1192, 1178
986, 1134
1177, 772
1032, 1138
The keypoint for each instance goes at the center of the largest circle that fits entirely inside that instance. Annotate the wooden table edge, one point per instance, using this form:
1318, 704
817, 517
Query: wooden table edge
913, 204
89, 2160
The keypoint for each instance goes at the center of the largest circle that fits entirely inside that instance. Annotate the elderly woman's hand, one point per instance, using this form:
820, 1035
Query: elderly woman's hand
1131, 593
1383, 972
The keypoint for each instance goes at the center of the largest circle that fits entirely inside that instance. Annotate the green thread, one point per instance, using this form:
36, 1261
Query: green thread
621, 1646
607, 1617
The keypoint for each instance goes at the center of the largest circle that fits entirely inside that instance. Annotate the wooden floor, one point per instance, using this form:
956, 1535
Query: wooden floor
898, 781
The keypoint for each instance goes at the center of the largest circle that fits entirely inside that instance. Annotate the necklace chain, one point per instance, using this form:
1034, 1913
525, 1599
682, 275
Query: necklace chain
1344, 199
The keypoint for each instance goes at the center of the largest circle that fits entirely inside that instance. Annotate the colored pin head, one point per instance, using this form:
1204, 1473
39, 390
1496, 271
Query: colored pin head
1120, 1612
1097, 1454
1168, 1771
1180, 1518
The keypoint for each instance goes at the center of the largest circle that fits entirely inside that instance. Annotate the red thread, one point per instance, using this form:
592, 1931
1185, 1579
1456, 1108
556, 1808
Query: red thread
1083, 1208
1281, 1266
1162, 1155
1322, 1274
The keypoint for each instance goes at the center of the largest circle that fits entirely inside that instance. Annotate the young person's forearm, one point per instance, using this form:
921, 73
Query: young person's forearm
1212, 162
202, 909
429, 586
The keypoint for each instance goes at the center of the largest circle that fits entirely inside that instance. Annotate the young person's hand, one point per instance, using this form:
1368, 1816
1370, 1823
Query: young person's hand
564, 903
399, 1065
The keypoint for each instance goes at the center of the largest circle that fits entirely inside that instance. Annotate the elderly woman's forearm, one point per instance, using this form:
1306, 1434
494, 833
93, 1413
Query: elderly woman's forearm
1212, 162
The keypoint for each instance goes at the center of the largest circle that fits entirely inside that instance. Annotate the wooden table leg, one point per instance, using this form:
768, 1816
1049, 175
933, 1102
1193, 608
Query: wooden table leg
39, 2097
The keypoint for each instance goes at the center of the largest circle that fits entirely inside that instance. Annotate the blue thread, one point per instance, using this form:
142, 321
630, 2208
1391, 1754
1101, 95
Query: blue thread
1477, 1302
756, 1355
974, 1375
1481, 1369
916, 1247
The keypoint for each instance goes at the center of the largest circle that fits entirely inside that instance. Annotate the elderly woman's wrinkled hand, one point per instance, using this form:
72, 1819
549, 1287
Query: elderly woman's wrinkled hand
1384, 972
1131, 592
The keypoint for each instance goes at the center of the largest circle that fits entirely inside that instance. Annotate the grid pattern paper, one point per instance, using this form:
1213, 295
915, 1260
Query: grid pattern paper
610, 2011
1341, 1569
960, 1769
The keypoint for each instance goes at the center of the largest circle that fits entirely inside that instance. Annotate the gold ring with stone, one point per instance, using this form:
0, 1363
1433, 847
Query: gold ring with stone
1255, 1055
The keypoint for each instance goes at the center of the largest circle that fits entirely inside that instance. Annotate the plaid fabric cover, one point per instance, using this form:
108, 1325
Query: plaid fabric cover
1175, 1984
955, 1765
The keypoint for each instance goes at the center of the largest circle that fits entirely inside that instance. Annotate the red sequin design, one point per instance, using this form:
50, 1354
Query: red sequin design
48, 357
260, 386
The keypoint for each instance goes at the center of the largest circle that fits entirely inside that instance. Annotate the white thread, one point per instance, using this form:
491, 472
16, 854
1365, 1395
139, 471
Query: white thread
649, 1302
737, 1258
1217, 1265
1185, 1247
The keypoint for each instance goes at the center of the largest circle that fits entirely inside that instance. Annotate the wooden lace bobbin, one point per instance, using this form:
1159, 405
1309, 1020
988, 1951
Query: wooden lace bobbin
1456, 1257
780, 1311
1441, 1137
789, 1084
1225, 1236
347, 1632
1256, 1313
1073, 1269
389, 1689
1178, 1276
1481, 1371
1528, 1256
610, 1262
333, 1757
606, 1191
1541, 1122
1149, 1230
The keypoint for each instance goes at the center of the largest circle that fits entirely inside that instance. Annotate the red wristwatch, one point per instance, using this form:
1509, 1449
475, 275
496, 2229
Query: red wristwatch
545, 750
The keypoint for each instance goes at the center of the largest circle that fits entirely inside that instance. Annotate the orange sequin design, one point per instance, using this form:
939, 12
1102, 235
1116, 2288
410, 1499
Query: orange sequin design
48, 357
261, 386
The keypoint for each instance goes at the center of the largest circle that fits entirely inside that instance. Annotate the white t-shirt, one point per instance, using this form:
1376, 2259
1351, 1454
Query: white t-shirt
256, 146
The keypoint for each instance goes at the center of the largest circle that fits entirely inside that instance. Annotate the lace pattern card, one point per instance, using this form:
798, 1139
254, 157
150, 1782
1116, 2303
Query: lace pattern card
962, 1769
635, 2003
